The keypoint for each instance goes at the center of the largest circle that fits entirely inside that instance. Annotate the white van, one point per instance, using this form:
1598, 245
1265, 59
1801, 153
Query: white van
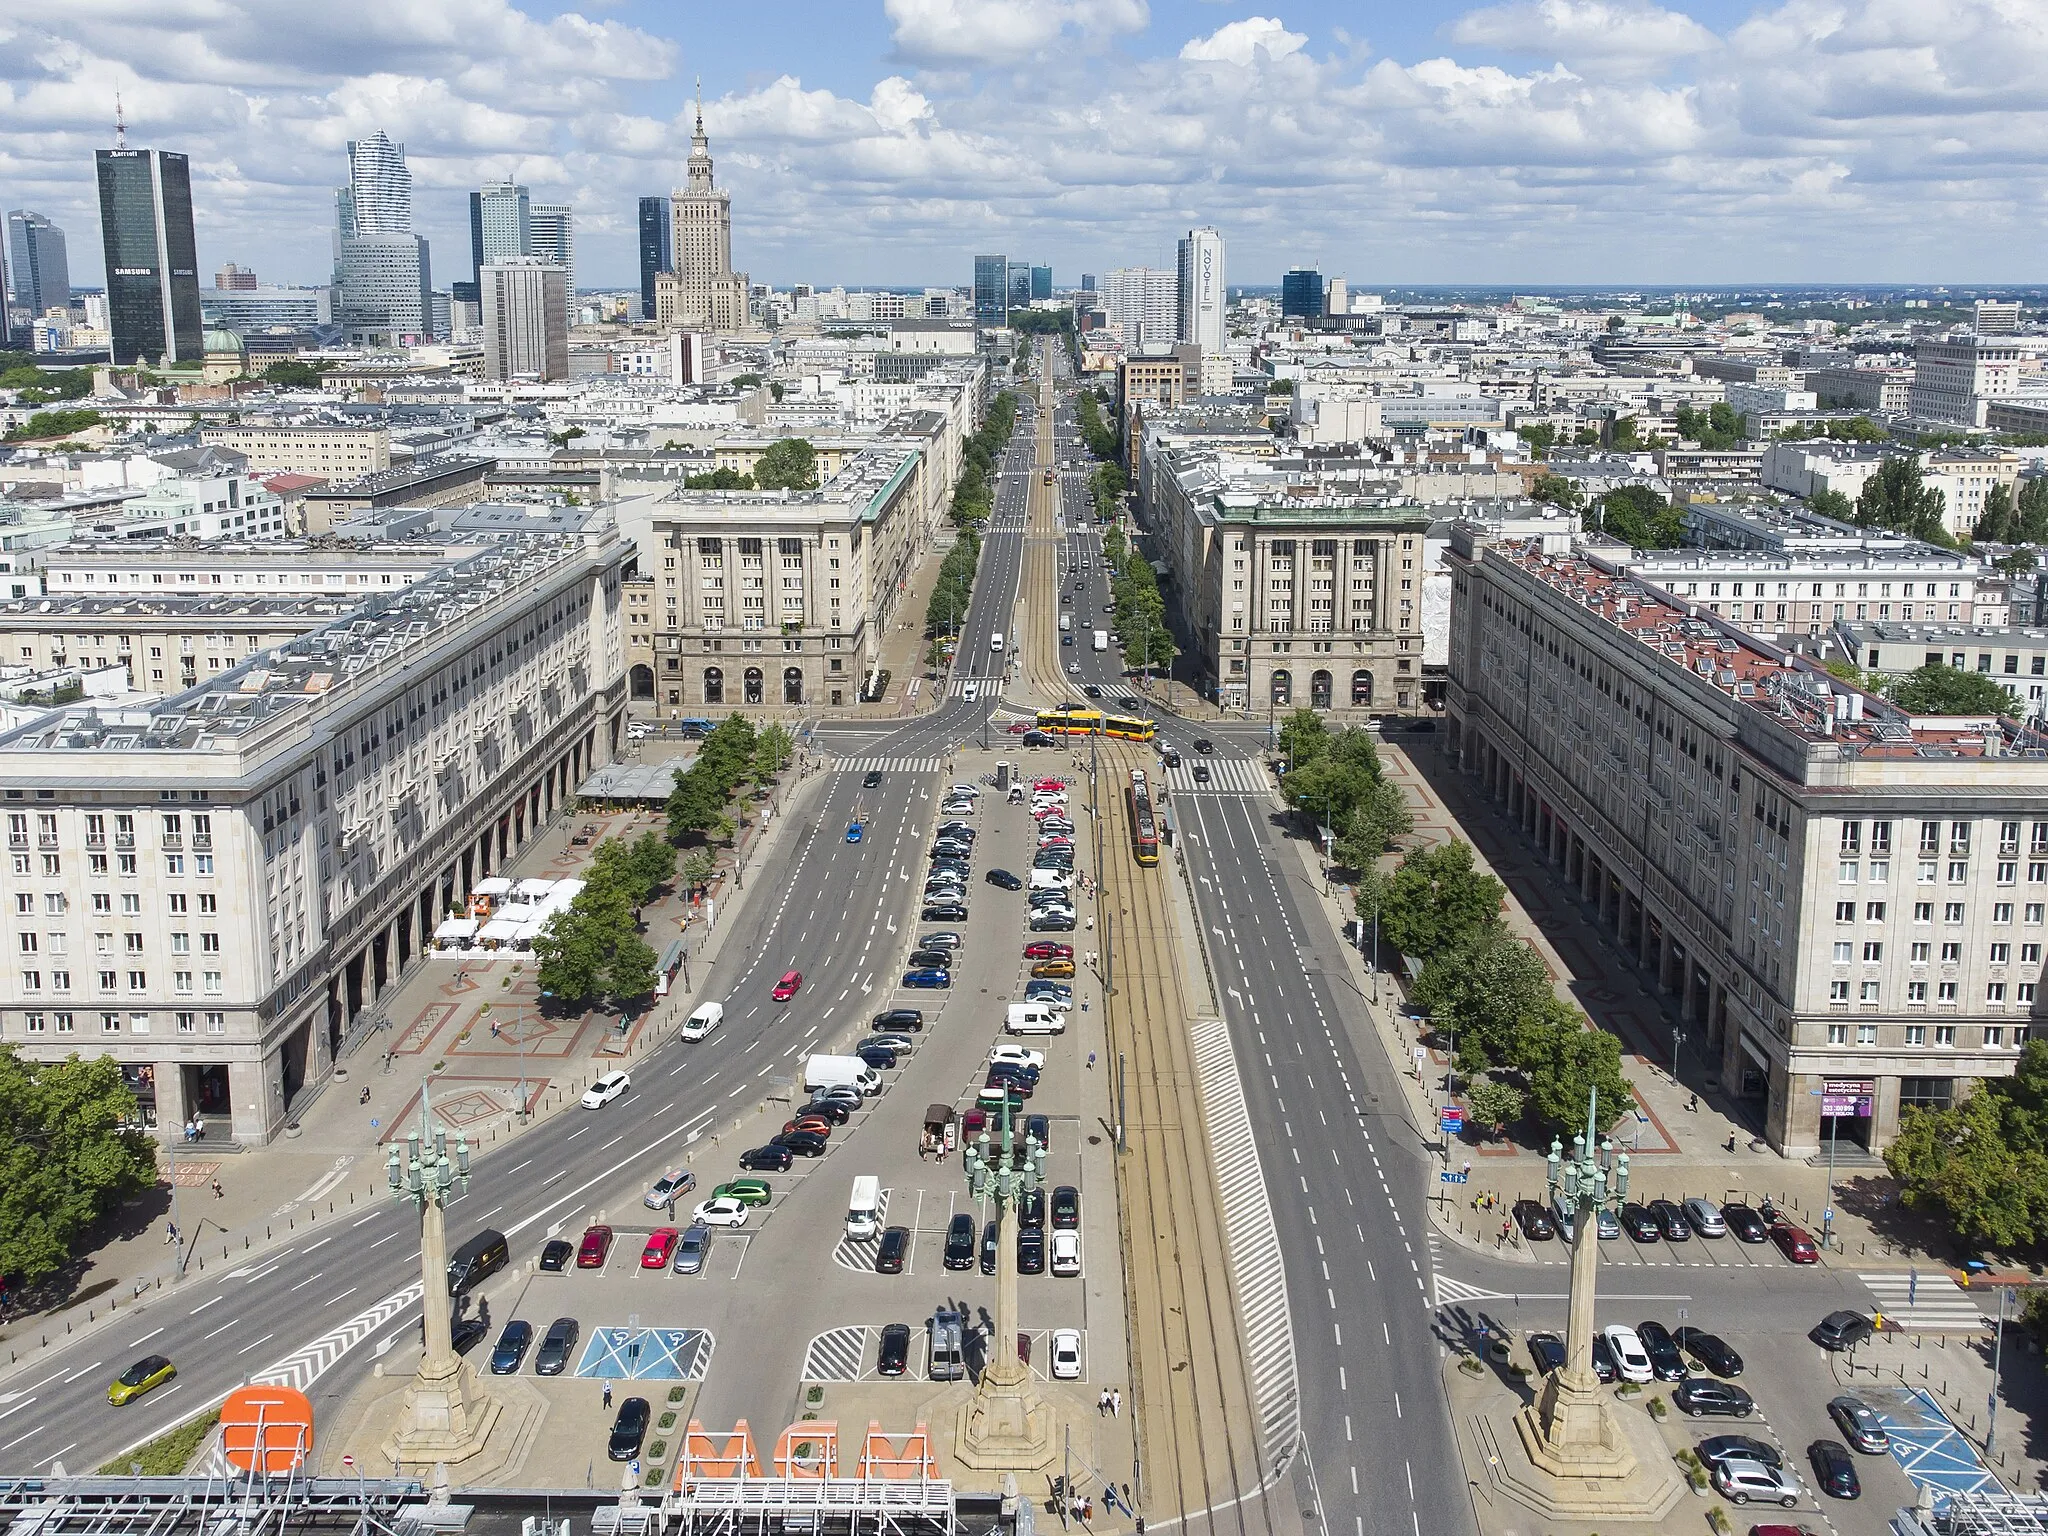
699, 1024
1052, 880
1033, 1019
864, 1210
842, 1072
995, 641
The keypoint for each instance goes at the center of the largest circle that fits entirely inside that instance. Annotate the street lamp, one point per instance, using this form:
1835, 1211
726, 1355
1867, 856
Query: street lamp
1006, 1423
437, 1423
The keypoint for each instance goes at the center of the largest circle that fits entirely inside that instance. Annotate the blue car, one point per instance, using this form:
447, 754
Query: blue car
1050, 992
853, 831
928, 978
511, 1348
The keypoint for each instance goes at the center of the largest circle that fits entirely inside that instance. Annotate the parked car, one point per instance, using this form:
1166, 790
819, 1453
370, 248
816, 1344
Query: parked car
991, 1246
801, 1143
510, 1351
1842, 1330
1859, 1424
1701, 1395
959, 1253
669, 1188
556, 1346
628, 1429
555, 1255
928, 978
1640, 1224
892, 1251
1665, 1360
1030, 1251
943, 912
1739, 1447
1794, 1243
595, 1247
894, 1356
726, 1212
1066, 1254
661, 1243
1704, 1217
907, 1018
1603, 1360
1546, 1352
1031, 1207
1066, 1354
1834, 1470
692, 1248
1047, 949
1740, 1481
770, 1159
1066, 1206
1534, 1221
1629, 1355
1671, 1218
1710, 1350
1747, 1226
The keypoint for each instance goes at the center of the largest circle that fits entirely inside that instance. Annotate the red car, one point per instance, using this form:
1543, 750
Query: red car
1794, 1243
1049, 810
1045, 949
1055, 840
661, 1242
786, 988
595, 1248
1018, 729
816, 1123
1048, 786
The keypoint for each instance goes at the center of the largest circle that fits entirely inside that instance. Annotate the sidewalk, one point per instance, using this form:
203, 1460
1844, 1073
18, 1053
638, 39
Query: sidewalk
465, 1030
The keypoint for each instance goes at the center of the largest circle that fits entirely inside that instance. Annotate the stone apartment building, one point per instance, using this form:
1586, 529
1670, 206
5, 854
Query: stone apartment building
331, 452
1847, 904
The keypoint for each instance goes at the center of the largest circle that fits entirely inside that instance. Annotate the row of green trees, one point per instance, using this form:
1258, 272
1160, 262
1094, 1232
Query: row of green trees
1098, 434
594, 948
1634, 514
18, 371
2007, 520
787, 464
1107, 485
1981, 1165
734, 754
974, 495
948, 603
1335, 777
46, 424
1140, 615
1530, 1054
1719, 426
71, 1150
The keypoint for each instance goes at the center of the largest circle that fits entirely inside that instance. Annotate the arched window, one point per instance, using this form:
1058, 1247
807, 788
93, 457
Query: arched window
1319, 687
751, 685
1361, 687
1283, 687
792, 685
714, 685
642, 680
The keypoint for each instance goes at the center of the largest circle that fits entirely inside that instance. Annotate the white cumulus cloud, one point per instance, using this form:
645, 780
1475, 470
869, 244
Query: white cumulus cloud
1633, 33
1239, 42
996, 32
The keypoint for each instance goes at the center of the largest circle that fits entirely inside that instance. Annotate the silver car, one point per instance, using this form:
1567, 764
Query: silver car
1704, 1217
1741, 1480
691, 1249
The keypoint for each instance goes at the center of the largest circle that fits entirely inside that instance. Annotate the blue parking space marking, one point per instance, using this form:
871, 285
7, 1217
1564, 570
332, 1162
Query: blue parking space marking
646, 1354
1929, 1448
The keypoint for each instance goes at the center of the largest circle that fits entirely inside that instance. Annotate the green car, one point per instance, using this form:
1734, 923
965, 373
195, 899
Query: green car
747, 1191
148, 1372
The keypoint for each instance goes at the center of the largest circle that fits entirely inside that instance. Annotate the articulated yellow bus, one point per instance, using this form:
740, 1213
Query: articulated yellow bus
1093, 722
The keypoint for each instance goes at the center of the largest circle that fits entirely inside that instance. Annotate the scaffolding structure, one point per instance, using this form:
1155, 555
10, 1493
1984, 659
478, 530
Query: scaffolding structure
885, 1485
1974, 1513
241, 1504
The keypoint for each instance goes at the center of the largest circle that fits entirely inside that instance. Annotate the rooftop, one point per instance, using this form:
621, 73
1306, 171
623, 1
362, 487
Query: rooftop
68, 607
1798, 695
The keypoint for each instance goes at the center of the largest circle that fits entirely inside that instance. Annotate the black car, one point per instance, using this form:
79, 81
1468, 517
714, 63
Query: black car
464, 1333
1834, 1469
556, 1347
1739, 1448
1031, 1209
1671, 1218
873, 779
895, 1352
628, 1429
1547, 1350
1052, 922
1127, 702
1036, 739
1698, 1395
960, 1242
1639, 1224
1040, 1127
800, 1143
768, 1159
1710, 1350
1665, 1360
930, 959
1066, 1206
835, 1111
1842, 1330
1747, 1226
943, 912
1005, 879
880, 1057
1859, 1424
1204, 745
1030, 1251
510, 1350
1603, 1359
900, 1018
991, 1246
1534, 1221
892, 1250
1090, 689
556, 1254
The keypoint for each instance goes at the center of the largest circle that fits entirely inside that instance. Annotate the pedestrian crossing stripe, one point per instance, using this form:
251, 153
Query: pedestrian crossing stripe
984, 687
837, 1354
1252, 1241
1932, 1303
889, 765
1227, 776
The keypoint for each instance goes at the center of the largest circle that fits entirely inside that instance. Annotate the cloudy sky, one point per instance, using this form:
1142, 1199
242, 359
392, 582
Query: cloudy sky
886, 141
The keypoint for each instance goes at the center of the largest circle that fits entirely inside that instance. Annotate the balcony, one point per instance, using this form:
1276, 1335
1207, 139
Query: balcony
124, 840
202, 841
172, 842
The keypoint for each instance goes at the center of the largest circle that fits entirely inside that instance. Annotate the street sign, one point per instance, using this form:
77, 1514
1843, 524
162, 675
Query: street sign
348, 1461
1451, 1120
1452, 1176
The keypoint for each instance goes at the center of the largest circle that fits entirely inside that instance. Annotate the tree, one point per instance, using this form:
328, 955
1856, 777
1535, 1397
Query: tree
2000, 521
1845, 670
1304, 737
613, 868
570, 956
721, 479
1381, 817
699, 865
788, 464
1831, 503
1716, 428
1940, 690
71, 1150
1436, 898
46, 424
773, 749
1541, 436
1640, 518
1566, 1064
696, 803
1898, 497
1495, 1105
654, 860
290, 373
1557, 491
1480, 988
629, 973
1963, 1163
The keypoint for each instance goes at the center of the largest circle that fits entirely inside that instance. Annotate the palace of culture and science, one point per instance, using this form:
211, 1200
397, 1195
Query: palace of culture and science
701, 291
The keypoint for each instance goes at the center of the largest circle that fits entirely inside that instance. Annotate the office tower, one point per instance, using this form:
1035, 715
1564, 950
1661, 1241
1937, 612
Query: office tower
1087, 282
232, 278
1041, 282
1301, 293
991, 290
500, 224
1142, 302
152, 258
1997, 317
525, 319
1200, 301
1019, 285
38, 270
379, 188
554, 240
700, 291
655, 245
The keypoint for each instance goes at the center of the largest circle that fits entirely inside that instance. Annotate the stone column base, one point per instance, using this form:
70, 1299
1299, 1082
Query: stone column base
442, 1423
1010, 1432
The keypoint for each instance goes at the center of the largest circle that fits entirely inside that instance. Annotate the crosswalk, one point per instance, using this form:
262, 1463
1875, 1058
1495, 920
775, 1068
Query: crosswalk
1227, 776
889, 765
1254, 1244
1929, 1303
984, 687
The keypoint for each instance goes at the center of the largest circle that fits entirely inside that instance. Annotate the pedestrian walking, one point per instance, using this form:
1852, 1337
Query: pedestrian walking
1731, 1141
607, 1394
170, 1231
218, 1192
1102, 1402
1108, 1497
1116, 1402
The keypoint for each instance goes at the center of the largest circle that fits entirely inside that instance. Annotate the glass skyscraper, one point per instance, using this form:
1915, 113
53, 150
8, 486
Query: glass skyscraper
152, 257
991, 290
1301, 293
38, 269
655, 247
1041, 282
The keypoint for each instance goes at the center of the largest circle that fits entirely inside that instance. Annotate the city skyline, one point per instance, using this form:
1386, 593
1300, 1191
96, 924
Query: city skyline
1533, 142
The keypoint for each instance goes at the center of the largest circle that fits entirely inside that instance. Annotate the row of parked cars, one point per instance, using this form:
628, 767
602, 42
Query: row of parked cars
1675, 1221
